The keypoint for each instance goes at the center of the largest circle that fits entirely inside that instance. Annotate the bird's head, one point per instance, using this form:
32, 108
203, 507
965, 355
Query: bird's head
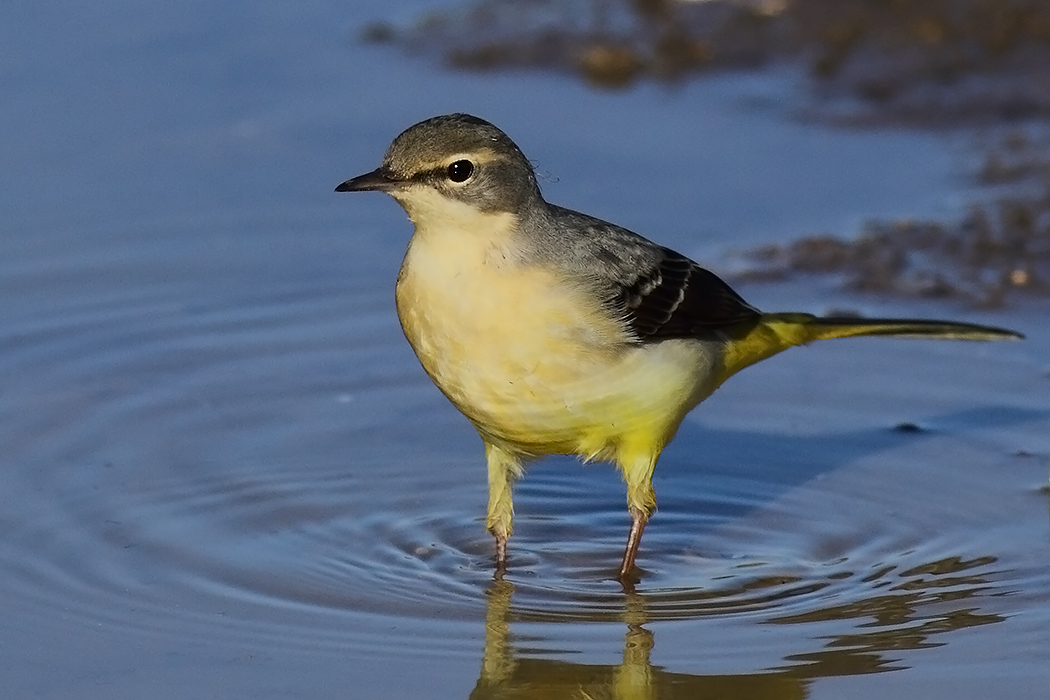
455, 159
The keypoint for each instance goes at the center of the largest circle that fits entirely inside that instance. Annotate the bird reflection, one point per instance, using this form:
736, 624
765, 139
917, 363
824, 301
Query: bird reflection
918, 604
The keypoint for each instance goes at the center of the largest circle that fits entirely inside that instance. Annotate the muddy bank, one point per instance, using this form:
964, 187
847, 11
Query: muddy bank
929, 62
997, 252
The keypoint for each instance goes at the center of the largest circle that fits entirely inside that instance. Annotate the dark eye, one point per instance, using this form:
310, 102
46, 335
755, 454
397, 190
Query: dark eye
460, 171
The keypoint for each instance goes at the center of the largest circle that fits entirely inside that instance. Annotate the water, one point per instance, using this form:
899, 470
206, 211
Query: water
226, 475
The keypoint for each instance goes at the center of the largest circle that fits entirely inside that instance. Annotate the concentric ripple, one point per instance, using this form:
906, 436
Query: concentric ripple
275, 467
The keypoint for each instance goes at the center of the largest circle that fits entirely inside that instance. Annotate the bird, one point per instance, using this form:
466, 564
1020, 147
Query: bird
558, 333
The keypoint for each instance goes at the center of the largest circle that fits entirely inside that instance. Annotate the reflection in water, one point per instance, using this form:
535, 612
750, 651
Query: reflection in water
504, 675
898, 618
913, 606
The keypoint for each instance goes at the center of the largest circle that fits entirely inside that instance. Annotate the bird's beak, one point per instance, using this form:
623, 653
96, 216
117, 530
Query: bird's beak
379, 179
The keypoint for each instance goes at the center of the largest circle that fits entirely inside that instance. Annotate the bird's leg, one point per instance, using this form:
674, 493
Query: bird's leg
638, 521
504, 469
637, 462
501, 554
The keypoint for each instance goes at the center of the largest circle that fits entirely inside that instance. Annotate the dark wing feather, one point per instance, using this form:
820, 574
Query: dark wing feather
679, 299
661, 294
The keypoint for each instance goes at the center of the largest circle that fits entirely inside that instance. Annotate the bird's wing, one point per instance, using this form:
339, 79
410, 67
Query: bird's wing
661, 293
677, 298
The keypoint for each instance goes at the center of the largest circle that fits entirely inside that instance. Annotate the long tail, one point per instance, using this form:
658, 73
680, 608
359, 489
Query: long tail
777, 332
845, 327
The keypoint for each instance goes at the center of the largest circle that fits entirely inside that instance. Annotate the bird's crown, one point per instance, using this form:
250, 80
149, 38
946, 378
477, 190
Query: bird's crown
430, 143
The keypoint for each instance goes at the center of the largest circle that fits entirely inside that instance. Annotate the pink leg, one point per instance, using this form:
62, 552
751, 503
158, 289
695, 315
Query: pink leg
501, 553
638, 521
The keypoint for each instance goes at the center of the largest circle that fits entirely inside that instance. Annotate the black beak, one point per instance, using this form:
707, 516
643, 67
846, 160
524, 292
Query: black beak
379, 179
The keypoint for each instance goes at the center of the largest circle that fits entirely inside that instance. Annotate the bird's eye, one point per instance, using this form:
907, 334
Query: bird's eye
460, 171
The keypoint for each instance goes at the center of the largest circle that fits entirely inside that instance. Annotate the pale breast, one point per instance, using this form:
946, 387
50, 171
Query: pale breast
527, 355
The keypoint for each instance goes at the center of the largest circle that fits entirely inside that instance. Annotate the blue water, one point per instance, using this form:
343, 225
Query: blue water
224, 473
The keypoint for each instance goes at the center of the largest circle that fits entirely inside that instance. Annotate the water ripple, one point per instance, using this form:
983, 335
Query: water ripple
180, 467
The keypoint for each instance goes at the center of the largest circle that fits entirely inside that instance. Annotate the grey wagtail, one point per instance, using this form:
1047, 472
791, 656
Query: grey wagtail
557, 333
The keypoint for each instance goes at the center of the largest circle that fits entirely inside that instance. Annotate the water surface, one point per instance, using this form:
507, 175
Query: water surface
225, 473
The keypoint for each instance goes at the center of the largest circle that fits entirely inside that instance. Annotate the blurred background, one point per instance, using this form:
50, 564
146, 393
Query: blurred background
225, 474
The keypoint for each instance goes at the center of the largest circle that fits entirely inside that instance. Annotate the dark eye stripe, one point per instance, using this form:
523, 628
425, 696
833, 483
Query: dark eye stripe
439, 173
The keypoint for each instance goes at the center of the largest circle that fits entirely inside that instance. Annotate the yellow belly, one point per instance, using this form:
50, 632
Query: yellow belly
535, 365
